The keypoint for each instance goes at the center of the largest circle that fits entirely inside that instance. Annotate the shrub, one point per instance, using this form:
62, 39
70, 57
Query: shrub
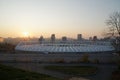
96, 61
7, 47
60, 61
85, 58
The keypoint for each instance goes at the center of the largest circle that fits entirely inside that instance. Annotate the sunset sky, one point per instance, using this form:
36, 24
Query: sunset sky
61, 17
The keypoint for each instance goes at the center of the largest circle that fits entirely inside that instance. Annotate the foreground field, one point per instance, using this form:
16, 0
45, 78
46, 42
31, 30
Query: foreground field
9, 73
74, 70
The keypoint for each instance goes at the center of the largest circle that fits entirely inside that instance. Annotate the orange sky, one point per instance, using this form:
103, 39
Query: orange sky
60, 17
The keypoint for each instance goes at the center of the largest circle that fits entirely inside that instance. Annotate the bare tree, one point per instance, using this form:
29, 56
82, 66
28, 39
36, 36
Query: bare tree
114, 27
114, 23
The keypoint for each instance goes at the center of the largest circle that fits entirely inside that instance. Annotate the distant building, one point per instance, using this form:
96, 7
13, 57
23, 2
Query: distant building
41, 39
64, 38
79, 37
95, 38
90, 38
1, 39
53, 37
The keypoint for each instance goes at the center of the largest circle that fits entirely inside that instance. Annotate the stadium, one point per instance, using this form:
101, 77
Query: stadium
65, 46
65, 50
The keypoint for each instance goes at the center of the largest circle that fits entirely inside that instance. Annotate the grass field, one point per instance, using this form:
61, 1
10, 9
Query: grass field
75, 70
9, 73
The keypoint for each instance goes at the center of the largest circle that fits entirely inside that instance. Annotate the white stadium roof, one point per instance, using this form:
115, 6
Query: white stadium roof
65, 47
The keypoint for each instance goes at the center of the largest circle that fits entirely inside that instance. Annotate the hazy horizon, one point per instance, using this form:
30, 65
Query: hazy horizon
34, 18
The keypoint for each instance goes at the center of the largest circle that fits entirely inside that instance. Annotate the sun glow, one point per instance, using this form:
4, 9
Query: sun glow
26, 34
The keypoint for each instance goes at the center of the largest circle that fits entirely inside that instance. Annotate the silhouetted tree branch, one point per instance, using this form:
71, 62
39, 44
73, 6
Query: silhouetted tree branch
114, 27
114, 23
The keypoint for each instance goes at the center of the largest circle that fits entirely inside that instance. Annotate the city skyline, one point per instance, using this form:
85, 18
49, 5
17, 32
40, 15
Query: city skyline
19, 18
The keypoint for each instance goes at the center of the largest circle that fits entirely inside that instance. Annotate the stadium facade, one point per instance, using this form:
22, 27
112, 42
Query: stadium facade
65, 46
63, 50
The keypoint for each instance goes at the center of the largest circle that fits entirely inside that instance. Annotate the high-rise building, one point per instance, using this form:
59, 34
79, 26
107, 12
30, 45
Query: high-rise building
41, 39
79, 37
53, 37
95, 38
64, 38
90, 38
